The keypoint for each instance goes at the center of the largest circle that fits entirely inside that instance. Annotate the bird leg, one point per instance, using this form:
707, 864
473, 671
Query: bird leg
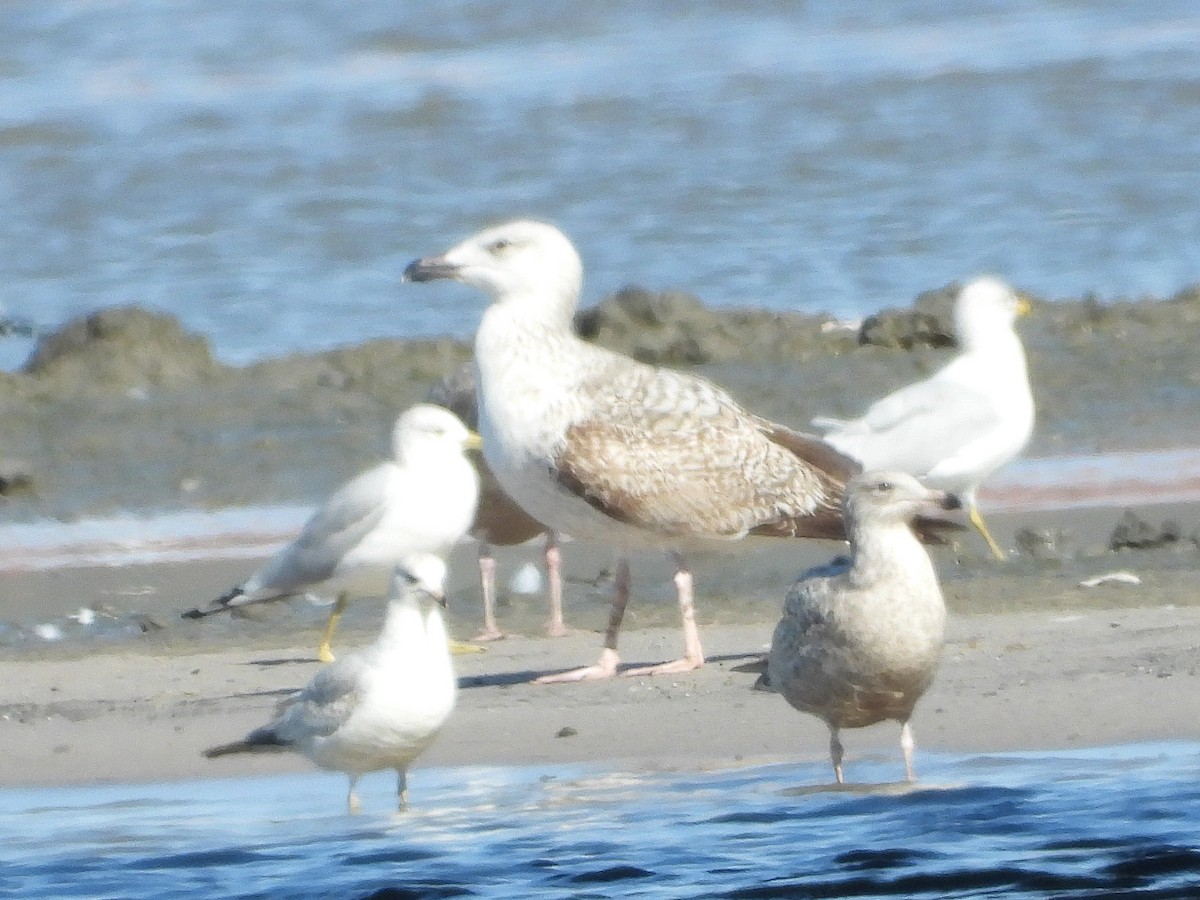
835, 753
606, 666
556, 627
487, 581
693, 653
977, 520
401, 790
324, 653
907, 744
352, 805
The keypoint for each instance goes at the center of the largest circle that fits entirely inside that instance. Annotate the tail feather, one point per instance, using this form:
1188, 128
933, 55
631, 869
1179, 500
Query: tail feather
221, 604
262, 740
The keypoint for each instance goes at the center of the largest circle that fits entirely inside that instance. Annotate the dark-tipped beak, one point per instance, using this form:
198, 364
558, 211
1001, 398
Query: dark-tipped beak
430, 268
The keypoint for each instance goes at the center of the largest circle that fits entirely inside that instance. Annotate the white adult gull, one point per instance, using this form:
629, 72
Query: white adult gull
499, 520
860, 639
965, 421
420, 501
379, 707
604, 448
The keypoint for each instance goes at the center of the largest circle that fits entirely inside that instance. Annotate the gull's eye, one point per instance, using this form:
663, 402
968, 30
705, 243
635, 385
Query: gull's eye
884, 487
500, 245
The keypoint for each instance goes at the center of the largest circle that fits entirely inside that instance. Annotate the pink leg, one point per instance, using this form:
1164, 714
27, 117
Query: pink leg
606, 666
693, 654
487, 580
556, 627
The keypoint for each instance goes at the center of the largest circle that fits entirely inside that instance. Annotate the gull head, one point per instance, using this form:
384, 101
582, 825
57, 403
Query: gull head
420, 576
893, 497
517, 262
986, 306
430, 432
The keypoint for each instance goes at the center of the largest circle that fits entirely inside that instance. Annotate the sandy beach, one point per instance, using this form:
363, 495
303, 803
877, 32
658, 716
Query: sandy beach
1033, 661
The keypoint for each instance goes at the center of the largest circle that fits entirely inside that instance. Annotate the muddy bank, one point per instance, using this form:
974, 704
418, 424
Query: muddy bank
124, 410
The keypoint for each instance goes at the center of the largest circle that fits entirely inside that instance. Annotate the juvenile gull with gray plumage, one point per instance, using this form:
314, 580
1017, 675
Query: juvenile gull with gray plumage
604, 448
860, 638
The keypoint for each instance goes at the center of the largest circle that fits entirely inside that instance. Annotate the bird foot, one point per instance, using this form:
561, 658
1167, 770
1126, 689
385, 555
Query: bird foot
686, 664
325, 655
556, 629
605, 667
490, 634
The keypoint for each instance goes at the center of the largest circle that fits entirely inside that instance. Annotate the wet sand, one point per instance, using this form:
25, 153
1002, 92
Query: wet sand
1033, 662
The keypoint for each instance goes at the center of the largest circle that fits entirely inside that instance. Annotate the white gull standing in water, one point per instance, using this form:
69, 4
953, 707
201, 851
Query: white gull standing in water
860, 639
604, 448
420, 501
965, 421
379, 707
499, 520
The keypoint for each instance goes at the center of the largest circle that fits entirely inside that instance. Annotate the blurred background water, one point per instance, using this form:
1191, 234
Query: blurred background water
1110, 822
265, 170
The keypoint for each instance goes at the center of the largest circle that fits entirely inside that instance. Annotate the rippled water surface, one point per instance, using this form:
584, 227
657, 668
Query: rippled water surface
265, 170
1109, 822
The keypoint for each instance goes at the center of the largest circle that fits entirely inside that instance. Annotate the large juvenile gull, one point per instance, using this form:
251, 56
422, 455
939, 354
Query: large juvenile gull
604, 448
965, 421
499, 521
420, 501
379, 707
860, 639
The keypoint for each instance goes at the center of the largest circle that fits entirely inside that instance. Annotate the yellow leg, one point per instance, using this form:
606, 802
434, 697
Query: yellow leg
324, 654
977, 521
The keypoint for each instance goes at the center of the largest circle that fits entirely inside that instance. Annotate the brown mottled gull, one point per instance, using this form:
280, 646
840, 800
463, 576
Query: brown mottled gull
965, 421
860, 639
379, 707
499, 520
604, 448
420, 501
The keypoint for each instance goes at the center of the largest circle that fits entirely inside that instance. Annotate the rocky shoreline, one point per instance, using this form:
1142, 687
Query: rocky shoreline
123, 410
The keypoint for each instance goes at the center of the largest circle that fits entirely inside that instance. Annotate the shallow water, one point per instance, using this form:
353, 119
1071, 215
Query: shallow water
1111, 822
266, 170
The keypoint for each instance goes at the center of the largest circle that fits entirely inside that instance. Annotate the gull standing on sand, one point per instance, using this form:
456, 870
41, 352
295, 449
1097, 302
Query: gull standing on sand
860, 639
604, 448
379, 707
420, 501
964, 422
499, 521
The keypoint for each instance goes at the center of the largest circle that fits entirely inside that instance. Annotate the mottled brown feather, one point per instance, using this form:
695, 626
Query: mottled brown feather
675, 455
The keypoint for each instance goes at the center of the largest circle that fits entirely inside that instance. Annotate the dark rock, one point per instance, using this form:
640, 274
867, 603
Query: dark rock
1135, 533
669, 328
15, 476
121, 347
906, 329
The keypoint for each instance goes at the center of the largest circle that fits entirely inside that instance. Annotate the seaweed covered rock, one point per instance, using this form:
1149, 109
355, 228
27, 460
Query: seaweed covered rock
121, 347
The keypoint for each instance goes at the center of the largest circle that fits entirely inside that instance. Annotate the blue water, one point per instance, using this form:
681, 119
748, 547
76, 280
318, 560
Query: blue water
265, 170
1108, 822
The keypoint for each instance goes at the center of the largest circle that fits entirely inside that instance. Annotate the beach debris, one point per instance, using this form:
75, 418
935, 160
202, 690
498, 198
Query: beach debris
1042, 544
566, 731
1134, 533
1124, 576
